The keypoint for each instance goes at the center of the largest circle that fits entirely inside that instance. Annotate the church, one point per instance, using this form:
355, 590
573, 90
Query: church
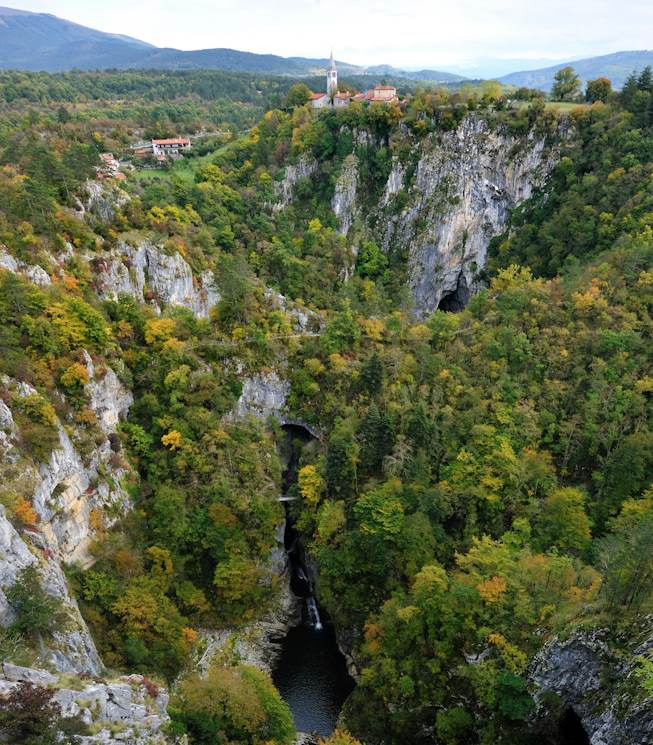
335, 99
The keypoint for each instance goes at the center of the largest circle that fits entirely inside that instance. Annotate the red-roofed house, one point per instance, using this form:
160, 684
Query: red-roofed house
172, 146
333, 99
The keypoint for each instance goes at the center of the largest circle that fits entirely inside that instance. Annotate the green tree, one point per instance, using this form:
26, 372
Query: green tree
238, 705
598, 90
566, 86
298, 95
36, 610
563, 522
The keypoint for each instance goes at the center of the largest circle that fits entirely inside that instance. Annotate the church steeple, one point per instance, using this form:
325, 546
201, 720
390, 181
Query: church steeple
332, 78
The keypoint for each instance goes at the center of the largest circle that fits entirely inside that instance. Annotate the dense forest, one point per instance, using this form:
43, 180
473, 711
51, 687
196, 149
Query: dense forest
484, 479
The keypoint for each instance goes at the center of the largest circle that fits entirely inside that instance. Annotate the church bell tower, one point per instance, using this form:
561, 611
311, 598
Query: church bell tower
332, 78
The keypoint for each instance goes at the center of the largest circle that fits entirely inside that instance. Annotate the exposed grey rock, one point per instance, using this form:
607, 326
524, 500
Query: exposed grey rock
14, 557
131, 270
38, 276
109, 399
122, 709
7, 261
73, 649
19, 674
66, 491
587, 675
6, 418
263, 395
34, 273
102, 200
395, 182
465, 185
304, 168
344, 203
302, 317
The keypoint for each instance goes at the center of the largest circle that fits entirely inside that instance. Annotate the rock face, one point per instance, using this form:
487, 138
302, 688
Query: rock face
71, 495
146, 269
597, 683
34, 272
465, 184
263, 395
305, 168
68, 489
128, 710
102, 200
343, 203
72, 649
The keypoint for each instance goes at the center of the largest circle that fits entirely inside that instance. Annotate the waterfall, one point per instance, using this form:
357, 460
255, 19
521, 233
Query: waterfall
314, 613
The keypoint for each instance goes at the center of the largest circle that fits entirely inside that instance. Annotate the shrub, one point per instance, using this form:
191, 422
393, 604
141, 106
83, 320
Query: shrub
36, 610
29, 716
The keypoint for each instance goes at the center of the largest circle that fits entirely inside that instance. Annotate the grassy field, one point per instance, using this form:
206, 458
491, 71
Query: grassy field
183, 169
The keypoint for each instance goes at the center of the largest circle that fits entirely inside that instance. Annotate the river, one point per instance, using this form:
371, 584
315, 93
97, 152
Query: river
311, 673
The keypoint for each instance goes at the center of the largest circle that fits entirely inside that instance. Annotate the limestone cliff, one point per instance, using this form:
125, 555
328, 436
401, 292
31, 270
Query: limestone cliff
464, 185
293, 174
146, 272
445, 197
129, 709
74, 495
593, 677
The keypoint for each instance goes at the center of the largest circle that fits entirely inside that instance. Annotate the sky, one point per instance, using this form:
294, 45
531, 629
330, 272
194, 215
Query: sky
405, 33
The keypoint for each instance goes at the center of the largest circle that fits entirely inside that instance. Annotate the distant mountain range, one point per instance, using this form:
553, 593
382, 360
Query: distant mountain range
40, 41
617, 67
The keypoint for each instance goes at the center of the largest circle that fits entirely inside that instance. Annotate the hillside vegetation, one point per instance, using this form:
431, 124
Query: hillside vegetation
484, 480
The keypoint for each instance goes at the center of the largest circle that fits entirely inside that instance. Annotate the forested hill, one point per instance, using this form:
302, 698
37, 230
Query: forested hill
616, 67
457, 294
41, 41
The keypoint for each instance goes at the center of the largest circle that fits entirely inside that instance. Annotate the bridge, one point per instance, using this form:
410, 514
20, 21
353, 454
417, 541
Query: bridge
312, 431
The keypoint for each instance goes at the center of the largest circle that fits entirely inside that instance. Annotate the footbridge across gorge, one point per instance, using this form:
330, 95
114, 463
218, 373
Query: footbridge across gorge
309, 429
292, 422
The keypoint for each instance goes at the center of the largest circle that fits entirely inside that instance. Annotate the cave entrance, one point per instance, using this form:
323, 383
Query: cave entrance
572, 731
455, 300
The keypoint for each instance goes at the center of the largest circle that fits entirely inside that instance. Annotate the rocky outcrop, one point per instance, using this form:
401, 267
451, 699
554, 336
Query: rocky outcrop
465, 184
263, 395
303, 169
147, 273
596, 681
259, 643
130, 709
14, 557
109, 399
33, 272
73, 497
70, 649
344, 203
101, 200
67, 489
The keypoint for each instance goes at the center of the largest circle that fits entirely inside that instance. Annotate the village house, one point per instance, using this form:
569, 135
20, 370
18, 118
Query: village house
161, 150
335, 99
109, 168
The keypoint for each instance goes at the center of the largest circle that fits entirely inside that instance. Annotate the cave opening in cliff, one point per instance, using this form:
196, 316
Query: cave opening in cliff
455, 300
572, 731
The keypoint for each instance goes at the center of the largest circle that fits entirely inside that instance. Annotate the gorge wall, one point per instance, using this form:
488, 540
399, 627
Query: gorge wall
445, 197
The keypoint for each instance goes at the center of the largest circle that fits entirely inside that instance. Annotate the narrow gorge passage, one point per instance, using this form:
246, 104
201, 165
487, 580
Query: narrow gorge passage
311, 673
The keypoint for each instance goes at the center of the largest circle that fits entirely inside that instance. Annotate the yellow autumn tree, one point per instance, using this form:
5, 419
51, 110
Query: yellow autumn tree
311, 484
